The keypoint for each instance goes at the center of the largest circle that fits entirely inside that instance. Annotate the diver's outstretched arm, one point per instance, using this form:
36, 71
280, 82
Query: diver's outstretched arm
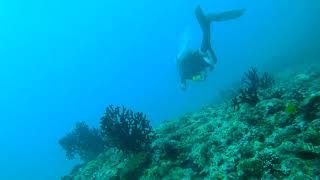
227, 15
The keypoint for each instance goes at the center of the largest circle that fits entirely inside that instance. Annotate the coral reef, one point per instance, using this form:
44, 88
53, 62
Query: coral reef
83, 141
121, 128
125, 129
271, 133
251, 84
266, 81
311, 107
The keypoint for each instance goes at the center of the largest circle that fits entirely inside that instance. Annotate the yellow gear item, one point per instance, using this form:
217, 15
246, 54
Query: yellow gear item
197, 78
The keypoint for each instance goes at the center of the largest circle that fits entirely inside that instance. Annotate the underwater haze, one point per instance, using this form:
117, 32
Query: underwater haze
66, 61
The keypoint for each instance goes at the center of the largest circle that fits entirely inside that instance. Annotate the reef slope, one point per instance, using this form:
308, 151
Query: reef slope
278, 137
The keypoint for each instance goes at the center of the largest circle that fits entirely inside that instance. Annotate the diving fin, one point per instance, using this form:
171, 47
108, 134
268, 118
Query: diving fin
227, 15
202, 18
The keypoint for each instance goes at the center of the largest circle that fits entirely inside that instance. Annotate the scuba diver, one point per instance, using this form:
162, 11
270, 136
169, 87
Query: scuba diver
195, 64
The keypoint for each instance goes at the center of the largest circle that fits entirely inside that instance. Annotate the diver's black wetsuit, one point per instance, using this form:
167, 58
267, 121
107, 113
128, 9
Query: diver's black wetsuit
192, 65
195, 63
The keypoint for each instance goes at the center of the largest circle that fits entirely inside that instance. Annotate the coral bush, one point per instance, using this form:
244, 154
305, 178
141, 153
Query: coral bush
249, 96
251, 84
266, 81
125, 129
83, 141
251, 79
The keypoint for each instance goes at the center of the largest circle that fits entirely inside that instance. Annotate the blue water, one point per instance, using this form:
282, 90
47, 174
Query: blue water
65, 61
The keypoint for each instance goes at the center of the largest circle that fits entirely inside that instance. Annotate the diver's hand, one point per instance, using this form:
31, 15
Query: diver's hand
203, 53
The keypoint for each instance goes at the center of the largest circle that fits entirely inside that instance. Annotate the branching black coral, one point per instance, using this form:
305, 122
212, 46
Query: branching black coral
266, 81
249, 96
125, 129
251, 83
83, 141
251, 79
